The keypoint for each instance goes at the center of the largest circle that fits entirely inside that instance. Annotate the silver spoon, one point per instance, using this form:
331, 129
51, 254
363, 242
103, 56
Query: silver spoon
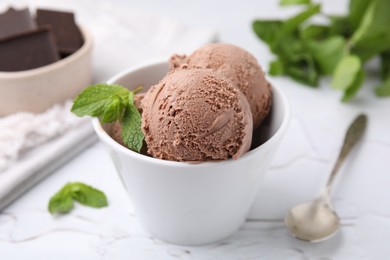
316, 220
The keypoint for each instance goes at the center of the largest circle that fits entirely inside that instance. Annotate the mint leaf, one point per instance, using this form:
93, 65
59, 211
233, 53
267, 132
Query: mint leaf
294, 2
340, 26
94, 100
268, 31
113, 110
365, 24
62, 201
345, 72
304, 71
292, 49
352, 89
111, 103
348, 76
314, 32
373, 36
357, 9
383, 90
276, 68
292, 23
327, 53
132, 135
87, 195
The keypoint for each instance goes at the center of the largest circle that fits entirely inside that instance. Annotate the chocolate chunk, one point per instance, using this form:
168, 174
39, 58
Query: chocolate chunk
27, 50
66, 33
15, 22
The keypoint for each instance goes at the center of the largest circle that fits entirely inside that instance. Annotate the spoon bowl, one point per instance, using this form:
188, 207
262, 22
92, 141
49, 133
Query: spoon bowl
313, 221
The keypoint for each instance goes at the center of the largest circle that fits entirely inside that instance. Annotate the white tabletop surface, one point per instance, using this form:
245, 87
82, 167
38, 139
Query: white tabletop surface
299, 170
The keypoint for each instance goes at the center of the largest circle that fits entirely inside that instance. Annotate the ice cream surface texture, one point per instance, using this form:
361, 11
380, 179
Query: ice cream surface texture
237, 65
196, 115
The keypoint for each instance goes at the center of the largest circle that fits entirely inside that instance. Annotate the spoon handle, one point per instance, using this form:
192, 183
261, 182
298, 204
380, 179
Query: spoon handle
353, 135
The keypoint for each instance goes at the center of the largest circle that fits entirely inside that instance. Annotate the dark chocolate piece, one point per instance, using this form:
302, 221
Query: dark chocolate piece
66, 33
28, 50
15, 22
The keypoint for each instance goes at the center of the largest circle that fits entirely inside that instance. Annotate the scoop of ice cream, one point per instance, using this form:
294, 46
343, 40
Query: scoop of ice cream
237, 65
196, 115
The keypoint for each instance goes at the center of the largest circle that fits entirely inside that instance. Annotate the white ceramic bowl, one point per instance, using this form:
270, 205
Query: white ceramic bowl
192, 204
38, 89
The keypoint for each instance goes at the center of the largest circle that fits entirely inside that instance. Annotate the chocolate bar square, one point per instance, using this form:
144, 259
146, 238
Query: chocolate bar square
28, 50
16, 21
66, 33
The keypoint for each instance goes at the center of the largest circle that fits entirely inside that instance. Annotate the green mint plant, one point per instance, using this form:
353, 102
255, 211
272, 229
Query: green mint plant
111, 102
62, 201
306, 51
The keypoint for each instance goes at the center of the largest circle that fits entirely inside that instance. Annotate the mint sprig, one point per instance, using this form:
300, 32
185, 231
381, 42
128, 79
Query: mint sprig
62, 201
294, 2
306, 51
111, 102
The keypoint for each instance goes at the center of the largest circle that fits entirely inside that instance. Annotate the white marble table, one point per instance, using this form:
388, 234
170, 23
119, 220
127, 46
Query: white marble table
299, 170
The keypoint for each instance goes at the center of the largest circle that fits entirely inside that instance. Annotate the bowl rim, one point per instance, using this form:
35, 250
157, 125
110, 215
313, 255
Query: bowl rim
104, 136
87, 46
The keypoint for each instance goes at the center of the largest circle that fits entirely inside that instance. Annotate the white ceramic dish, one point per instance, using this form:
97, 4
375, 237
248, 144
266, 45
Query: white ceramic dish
38, 89
192, 204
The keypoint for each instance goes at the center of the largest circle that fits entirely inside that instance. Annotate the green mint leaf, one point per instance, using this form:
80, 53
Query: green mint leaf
267, 31
293, 23
131, 98
383, 90
314, 32
307, 75
365, 24
340, 26
370, 50
351, 91
372, 36
298, 62
132, 134
357, 9
302, 69
276, 68
111, 103
113, 110
61, 202
294, 2
87, 195
292, 49
94, 100
327, 53
345, 72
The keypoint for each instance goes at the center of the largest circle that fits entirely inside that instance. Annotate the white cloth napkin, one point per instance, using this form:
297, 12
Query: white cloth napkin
34, 145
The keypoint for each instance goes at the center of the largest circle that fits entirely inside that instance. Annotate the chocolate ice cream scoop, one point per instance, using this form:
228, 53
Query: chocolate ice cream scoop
196, 115
237, 65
